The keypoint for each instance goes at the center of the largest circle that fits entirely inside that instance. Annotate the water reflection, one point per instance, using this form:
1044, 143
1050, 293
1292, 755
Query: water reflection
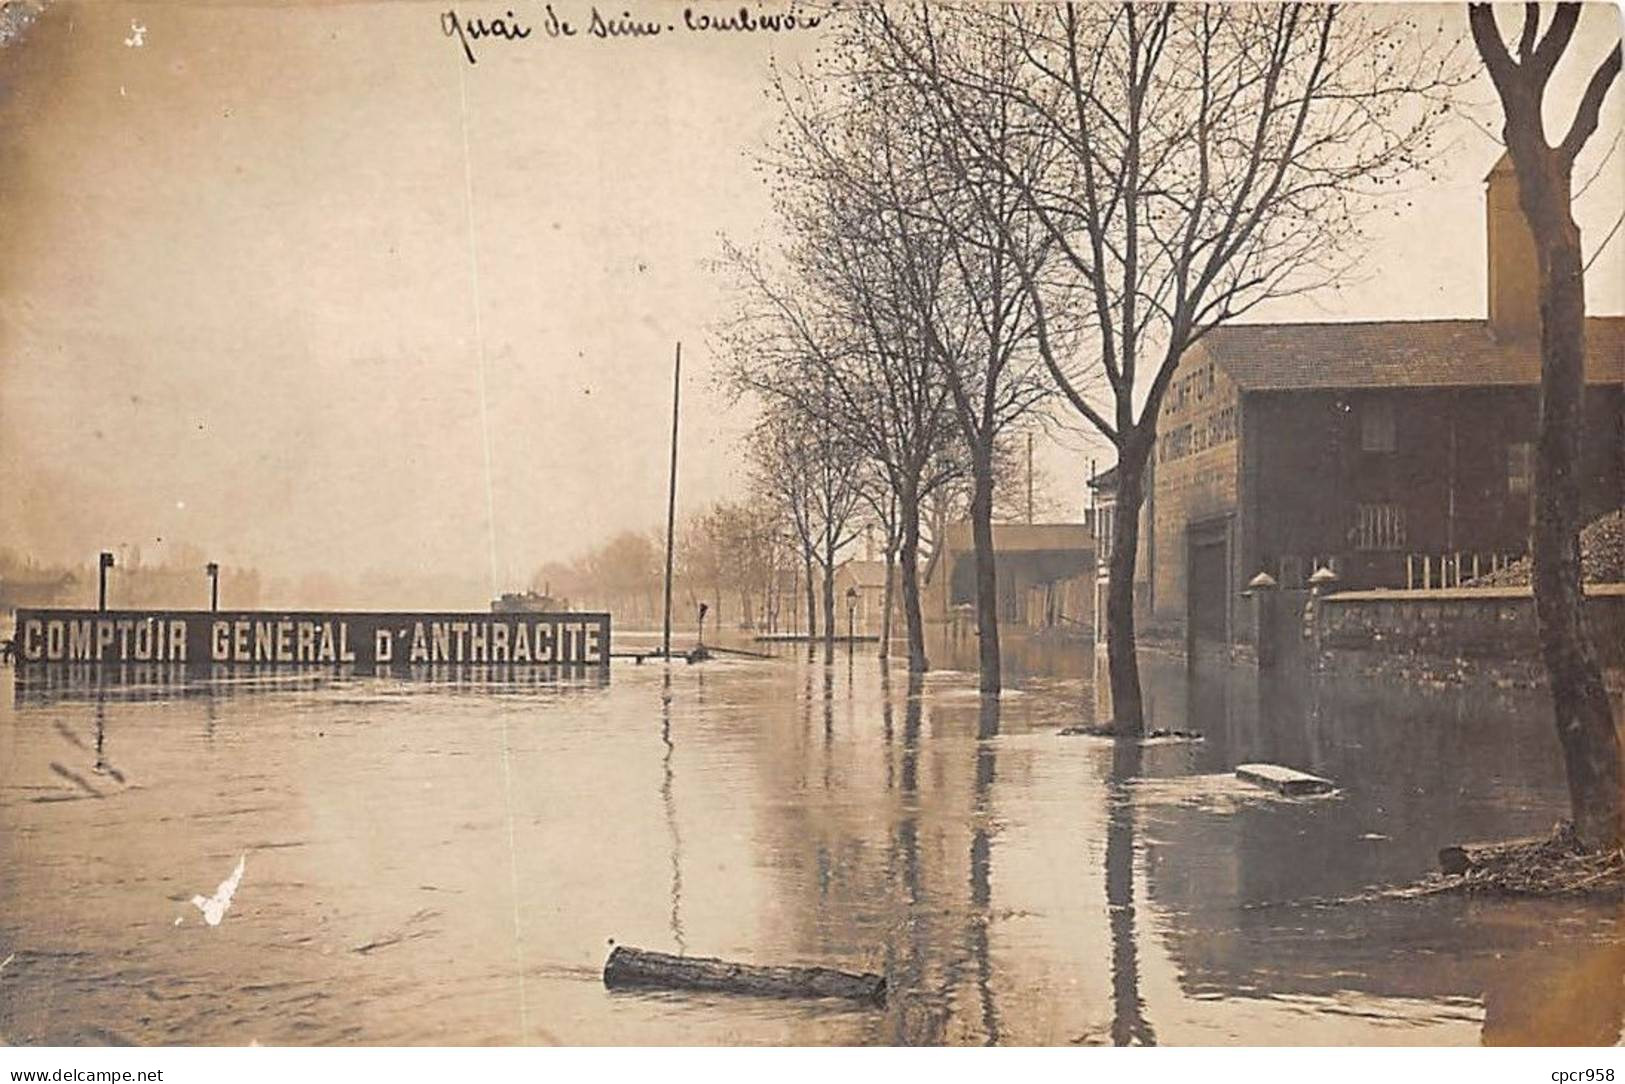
1129, 1025
1559, 1000
163, 682
1015, 886
668, 802
981, 862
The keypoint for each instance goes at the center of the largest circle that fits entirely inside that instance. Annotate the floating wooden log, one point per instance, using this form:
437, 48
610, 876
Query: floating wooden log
628, 966
1288, 781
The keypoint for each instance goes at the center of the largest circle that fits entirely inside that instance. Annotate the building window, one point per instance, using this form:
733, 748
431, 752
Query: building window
1379, 527
1175, 444
1520, 469
1377, 427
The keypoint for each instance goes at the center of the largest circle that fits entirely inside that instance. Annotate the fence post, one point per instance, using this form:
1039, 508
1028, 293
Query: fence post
1321, 583
1266, 634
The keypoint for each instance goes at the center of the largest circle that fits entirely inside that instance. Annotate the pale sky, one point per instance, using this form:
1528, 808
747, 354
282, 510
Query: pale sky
238, 305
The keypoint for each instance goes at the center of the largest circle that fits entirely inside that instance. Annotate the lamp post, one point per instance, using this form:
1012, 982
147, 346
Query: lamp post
105, 563
851, 616
213, 569
704, 608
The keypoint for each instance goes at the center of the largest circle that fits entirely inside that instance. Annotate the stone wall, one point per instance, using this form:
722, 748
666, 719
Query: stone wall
1448, 634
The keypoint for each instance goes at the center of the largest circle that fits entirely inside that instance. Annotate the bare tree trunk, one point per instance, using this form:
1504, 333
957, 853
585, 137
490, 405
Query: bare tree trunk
1122, 665
885, 605
909, 559
1582, 712
829, 599
812, 602
987, 585
1585, 721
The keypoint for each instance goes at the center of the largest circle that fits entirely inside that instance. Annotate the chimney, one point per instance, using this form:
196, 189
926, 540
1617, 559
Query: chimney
1513, 268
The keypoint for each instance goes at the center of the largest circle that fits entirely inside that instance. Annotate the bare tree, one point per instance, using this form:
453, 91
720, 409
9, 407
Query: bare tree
964, 299
1584, 717
855, 356
982, 339
781, 477
814, 475
887, 509
1187, 163
728, 546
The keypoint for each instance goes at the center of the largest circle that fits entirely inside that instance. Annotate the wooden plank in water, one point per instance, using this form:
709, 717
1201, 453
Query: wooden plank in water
1283, 780
629, 966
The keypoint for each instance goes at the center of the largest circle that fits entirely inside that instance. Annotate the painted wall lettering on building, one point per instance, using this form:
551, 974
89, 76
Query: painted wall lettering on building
381, 640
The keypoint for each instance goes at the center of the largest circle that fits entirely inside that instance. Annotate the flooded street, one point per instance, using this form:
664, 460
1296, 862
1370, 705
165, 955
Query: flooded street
447, 862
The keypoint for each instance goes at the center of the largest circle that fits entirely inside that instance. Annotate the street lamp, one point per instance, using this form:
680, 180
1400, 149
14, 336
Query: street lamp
851, 615
704, 608
213, 569
101, 580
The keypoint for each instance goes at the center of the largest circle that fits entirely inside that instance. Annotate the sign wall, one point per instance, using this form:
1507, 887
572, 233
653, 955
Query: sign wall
278, 638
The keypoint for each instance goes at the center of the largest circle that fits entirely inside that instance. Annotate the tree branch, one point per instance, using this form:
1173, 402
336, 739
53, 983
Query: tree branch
1585, 116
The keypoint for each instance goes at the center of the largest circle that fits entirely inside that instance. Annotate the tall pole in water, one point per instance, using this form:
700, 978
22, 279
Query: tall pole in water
671, 499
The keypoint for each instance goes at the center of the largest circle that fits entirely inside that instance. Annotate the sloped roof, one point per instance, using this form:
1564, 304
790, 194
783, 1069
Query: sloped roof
1013, 538
1024, 537
1397, 353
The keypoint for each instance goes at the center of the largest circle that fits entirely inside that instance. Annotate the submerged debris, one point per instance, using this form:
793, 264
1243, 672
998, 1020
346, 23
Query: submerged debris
1555, 865
1110, 732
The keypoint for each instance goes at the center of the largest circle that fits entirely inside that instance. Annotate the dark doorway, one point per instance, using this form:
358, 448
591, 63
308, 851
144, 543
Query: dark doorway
1208, 586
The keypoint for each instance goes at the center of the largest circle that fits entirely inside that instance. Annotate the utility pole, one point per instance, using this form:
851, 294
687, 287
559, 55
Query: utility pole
105, 563
671, 499
1029, 477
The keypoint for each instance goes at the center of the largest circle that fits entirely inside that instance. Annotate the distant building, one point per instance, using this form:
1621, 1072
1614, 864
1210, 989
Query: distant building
1045, 574
528, 602
36, 588
866, 582
1386, 451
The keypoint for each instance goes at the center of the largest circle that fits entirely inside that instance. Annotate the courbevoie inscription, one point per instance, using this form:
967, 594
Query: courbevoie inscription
202, 637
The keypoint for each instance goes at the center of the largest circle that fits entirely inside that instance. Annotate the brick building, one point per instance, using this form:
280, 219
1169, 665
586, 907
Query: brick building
1385, 450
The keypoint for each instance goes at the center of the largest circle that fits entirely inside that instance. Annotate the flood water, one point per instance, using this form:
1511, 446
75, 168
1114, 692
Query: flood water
447, 862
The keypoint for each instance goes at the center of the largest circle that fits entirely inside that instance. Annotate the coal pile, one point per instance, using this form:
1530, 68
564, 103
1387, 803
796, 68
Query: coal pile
1602, 556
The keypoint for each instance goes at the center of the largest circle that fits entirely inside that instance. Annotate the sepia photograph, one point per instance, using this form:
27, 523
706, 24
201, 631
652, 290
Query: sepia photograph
810, 523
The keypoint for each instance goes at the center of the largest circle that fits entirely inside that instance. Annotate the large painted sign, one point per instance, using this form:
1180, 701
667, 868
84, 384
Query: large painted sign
277, 638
